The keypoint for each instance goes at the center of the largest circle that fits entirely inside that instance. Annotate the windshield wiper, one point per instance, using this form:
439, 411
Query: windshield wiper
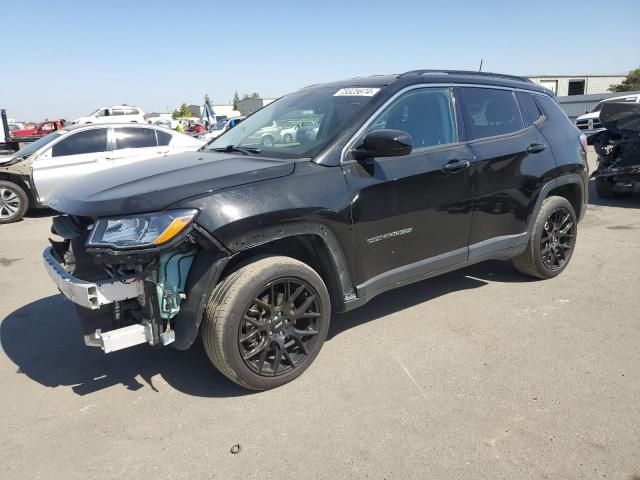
236, 148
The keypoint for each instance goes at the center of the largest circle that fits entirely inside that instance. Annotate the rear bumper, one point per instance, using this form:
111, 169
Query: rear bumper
91, 295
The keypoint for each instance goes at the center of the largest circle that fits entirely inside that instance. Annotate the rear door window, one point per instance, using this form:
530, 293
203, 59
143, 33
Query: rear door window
135, 138
163, 137
491, 111
530, 107
88, 141
426, 114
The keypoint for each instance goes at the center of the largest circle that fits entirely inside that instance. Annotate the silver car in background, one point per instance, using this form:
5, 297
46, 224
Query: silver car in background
28, 176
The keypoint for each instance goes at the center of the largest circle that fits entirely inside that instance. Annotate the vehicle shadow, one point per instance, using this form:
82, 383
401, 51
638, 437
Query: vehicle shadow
40, 213
44, 340
475, 276
630, 202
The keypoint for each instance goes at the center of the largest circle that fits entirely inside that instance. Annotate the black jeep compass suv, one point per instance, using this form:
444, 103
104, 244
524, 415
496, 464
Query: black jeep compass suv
254, 240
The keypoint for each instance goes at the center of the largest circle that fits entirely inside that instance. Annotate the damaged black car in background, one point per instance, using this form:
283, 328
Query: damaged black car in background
618, 149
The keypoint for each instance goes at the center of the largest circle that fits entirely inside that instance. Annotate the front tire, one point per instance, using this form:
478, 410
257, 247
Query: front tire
552, 240
266, 322
14, 202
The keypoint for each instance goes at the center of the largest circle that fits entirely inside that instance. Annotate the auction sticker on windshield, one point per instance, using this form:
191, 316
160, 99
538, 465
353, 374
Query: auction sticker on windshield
356, 92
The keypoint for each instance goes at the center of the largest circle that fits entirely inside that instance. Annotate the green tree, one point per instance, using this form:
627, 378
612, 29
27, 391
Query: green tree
183, 111
251, 95
631, 83
236, 99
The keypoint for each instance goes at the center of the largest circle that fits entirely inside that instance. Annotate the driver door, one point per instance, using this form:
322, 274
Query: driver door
412, 214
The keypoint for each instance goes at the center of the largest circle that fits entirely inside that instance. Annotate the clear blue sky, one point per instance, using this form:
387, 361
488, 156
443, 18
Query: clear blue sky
70, 57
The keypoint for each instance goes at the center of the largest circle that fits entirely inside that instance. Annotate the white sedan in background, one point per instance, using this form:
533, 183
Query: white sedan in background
219, 128
28, 176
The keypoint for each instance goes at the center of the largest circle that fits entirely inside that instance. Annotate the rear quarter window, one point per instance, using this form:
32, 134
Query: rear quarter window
530, 107
491, 112
550, 108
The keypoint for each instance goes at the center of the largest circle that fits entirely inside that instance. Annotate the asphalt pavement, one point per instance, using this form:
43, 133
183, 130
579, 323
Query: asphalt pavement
481, 373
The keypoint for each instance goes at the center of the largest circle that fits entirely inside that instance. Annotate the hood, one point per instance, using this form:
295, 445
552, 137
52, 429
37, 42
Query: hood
152, 185
7, 160
589, 116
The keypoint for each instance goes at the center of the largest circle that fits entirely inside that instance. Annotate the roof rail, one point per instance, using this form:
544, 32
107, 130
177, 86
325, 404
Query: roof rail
464, 72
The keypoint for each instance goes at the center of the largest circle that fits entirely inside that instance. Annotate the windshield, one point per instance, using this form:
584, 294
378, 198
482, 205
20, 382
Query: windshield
321, 112
597, 108
41, 142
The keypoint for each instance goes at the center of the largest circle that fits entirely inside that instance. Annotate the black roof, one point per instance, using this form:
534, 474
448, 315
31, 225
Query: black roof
439, 76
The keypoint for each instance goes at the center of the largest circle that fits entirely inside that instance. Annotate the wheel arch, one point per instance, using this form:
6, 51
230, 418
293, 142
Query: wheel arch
22, 183
571, 186
313, 244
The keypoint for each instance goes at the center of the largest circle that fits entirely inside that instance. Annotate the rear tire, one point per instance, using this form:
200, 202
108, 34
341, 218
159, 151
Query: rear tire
257, 331
554, 230
14, 202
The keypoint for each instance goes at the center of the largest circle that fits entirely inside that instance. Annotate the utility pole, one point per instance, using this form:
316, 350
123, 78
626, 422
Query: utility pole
480, 69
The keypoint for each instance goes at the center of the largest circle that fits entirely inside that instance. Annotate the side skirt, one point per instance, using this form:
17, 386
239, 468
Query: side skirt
499, 248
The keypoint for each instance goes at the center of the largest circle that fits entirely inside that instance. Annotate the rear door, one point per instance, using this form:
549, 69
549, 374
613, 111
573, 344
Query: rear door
511, 160
411, 214
79, 153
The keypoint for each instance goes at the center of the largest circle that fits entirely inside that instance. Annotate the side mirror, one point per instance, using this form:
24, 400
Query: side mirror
586, 111
384, 143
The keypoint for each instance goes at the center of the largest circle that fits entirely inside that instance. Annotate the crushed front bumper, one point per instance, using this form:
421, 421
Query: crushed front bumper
90, 295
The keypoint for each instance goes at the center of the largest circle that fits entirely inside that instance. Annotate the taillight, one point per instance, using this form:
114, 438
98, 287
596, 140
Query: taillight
583, 143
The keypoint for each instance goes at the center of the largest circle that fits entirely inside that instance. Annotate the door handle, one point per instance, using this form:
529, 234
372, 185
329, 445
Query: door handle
535, 148
454, 166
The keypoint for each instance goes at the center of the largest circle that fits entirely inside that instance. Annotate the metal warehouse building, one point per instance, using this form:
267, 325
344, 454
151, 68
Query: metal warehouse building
567, 85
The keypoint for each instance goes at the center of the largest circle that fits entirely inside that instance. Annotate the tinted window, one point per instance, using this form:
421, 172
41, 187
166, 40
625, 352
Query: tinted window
550, 108
492, 112
425, 114
531, 108
89, 141
131, 111
163, 137
135, 138
117, 111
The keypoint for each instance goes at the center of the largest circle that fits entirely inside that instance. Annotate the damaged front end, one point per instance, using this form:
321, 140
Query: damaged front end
129, 275
618, 149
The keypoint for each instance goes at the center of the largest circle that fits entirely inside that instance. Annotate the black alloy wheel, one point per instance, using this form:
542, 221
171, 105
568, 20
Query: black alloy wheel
557, 238
280, 327
552, 239
266, 322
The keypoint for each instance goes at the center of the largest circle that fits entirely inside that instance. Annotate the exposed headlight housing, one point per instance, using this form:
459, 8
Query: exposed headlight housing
140, 231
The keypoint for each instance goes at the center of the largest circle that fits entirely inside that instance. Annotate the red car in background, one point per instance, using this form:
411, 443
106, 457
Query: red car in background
196, 128
40, 130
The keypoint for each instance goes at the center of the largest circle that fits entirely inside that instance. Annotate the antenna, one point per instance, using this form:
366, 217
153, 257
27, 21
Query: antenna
480, 69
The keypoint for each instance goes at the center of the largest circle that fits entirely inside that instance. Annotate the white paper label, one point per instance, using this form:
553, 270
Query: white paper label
356, 92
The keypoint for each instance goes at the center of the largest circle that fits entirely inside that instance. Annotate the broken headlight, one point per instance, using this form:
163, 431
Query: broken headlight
144, 230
